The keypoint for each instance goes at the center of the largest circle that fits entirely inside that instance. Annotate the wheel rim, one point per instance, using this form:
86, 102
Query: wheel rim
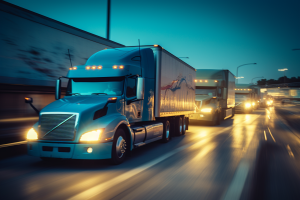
120, 146
180, 127
167, 130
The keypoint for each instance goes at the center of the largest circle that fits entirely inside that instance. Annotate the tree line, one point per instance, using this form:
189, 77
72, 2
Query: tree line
282, 79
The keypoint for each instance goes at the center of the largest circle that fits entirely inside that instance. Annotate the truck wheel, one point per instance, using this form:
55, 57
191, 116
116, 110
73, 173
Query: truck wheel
119, 149
178, 126
183, 125
166, 131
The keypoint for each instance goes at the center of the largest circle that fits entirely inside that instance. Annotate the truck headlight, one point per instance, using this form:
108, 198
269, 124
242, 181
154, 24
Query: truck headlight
253, 104
32, 135
91, 136
207, 110
248, 105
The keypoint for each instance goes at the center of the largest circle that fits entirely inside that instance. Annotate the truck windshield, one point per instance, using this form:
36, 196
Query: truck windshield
95, 86
210, 92
242, 97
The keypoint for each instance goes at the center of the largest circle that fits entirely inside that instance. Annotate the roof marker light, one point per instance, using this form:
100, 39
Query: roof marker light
74, 68
115, 67
88, 67
196, 81
99, 67
205, 81
94, 67
201, 81
121, 67
156, 45
216, 81
70, 68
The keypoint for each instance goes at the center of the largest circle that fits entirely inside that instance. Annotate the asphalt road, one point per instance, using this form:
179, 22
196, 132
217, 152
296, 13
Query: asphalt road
251, 156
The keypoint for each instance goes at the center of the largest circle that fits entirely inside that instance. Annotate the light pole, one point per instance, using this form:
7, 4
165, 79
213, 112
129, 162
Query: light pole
283, 70
255, 78
108, 20
237, 69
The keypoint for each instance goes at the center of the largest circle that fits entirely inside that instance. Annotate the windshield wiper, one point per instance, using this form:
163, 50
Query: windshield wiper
99, 93
74, 93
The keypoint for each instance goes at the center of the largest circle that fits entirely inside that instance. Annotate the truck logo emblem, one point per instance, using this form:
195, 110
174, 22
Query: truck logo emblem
59, 124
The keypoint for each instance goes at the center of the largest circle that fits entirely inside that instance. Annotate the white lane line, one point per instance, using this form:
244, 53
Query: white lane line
12, 144
265, 135
271, 135
98, 189
237, 184
290, 151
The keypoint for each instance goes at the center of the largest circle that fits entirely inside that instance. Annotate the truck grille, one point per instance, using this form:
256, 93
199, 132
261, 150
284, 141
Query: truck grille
57, 126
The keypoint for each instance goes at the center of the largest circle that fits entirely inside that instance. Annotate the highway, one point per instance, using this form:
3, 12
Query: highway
250, 156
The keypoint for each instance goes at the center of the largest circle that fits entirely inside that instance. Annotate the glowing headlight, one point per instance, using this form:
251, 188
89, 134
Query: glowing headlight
253, 104
91, 136
271, 101
206, 110
32, 135
268, 102
248, 105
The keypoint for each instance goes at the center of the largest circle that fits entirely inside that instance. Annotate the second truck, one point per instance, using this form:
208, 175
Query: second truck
215, 97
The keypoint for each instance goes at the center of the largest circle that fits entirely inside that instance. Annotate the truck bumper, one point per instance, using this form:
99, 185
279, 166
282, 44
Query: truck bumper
70, 151
202, 117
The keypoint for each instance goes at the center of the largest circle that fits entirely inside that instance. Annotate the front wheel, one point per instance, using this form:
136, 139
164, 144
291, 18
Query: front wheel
119, 147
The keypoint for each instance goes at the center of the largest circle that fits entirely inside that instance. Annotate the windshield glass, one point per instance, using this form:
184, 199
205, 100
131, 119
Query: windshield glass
241, 97
96, 86
210, 92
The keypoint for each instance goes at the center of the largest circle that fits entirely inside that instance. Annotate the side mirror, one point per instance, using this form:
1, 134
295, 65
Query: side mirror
58, 89
140, 88
28, 100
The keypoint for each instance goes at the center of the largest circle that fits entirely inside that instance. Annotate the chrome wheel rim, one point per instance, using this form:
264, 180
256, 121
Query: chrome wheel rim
168, 131
120, 146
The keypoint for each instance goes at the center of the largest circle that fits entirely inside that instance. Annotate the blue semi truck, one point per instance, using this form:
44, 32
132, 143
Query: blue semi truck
121, 99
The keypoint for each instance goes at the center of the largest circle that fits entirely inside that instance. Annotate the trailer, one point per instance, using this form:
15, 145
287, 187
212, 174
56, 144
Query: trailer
121, 99
214, 95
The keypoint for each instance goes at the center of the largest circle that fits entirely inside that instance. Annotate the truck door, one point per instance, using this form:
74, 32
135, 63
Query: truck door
133, 107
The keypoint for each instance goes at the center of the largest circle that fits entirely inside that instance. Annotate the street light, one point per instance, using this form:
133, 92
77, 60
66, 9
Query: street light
255, 78
237, 69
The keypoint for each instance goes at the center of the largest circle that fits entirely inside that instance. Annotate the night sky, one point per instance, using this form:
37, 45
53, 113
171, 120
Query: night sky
214, 34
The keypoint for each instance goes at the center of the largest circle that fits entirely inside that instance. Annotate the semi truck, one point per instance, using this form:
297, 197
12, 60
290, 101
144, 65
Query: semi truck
121, 99
245, 100
215, 97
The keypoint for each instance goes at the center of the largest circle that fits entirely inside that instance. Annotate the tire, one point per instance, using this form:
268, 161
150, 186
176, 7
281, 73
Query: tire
178, 126
183, 125
166, 131
215, 120
119, 150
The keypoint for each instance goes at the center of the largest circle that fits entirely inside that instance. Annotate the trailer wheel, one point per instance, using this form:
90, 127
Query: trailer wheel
183, 125
178, 126
119, 149
166, 131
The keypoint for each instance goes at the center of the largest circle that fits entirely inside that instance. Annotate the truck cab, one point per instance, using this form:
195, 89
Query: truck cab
245, 100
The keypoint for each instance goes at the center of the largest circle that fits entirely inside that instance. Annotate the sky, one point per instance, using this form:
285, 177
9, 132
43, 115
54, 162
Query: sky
214, 34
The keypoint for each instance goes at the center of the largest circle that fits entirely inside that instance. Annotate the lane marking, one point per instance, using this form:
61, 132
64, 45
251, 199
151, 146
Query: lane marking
271, 135
237, 184
12, 144
265, 135
290, 151
100, 188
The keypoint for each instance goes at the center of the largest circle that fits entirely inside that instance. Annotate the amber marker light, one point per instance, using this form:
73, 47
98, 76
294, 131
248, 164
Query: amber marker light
196, 81
88, 67
205, 81
216, 81
201, 81
234, 89
121, 67
94, 67
115, 67
74, 68
99, 67
156, 45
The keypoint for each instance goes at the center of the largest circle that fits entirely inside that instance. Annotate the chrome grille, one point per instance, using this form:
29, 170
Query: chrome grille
57, 126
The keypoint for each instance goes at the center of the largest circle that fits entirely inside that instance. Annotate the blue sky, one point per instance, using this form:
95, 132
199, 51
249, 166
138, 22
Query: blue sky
214, 34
